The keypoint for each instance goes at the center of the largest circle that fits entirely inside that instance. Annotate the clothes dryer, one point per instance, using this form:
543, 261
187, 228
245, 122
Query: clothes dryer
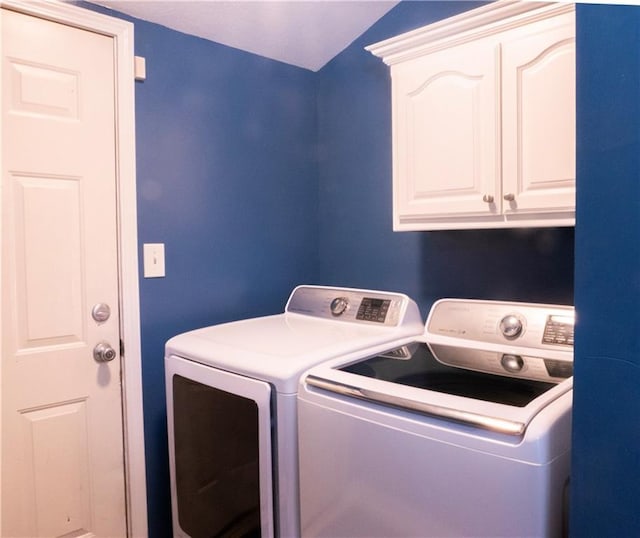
464, 431
232, 411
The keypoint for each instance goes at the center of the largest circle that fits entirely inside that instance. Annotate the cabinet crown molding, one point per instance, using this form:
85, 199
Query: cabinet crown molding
481, 22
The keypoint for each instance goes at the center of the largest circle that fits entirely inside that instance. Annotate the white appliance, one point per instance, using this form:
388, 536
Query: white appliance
231, 405
464, 431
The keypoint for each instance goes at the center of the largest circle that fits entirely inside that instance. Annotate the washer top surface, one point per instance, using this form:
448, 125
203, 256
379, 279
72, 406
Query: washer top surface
318, 324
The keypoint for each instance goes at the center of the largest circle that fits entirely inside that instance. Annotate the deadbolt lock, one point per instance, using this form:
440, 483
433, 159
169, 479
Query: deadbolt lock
101, 312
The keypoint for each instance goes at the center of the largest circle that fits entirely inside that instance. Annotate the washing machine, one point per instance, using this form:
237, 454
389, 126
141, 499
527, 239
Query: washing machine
464, 431
231, 405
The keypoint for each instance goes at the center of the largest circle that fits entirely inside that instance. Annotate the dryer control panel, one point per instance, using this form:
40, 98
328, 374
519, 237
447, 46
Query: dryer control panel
378, 308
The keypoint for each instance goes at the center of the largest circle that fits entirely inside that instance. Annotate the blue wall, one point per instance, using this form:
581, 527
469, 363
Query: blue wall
227, 179
606, 438
357, 246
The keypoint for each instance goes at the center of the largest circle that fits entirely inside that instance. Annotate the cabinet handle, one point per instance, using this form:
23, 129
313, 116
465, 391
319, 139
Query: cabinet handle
509, 197
487, 198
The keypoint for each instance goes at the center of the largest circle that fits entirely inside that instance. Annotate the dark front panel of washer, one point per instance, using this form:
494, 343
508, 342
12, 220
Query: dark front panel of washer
414, 365
216, 453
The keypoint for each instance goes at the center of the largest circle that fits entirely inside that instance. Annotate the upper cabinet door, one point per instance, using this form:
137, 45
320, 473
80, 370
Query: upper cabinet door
539, 116
445, 124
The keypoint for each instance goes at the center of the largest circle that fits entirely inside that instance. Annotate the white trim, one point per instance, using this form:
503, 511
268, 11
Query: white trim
470, 25
1, 264
122, 32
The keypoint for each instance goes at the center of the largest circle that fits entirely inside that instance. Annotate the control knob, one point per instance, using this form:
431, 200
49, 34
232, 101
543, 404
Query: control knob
512, 363
339, 305
511, 326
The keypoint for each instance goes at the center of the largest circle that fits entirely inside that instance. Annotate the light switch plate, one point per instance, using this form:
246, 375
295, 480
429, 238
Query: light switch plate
140, 68
153, 254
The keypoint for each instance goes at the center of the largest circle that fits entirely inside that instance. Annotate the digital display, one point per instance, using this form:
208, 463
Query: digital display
565, 320
373, 310
558, 330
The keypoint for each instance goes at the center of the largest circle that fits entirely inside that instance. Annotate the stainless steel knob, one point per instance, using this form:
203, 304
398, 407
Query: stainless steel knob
511, 326
103, 352
101, 312
512, 363
509, 197
488, 198
339, 305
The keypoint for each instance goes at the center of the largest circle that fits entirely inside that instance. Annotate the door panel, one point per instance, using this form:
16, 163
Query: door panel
539, 116
445, 125
62, 452
61, 469
43, 90
48, 302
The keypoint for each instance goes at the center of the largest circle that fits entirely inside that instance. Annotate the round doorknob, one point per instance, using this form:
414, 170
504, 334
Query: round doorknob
487, 198
103, 352
509, 197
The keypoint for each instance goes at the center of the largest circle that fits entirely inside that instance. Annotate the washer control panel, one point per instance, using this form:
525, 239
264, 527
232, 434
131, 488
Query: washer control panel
353, 305
523, 340
519, 324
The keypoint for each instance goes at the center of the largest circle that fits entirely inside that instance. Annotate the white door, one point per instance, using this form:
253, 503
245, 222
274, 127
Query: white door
62, 442
539, 116
445, 130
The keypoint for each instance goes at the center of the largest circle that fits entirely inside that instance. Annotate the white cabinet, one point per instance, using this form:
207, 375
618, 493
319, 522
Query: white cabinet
484, 119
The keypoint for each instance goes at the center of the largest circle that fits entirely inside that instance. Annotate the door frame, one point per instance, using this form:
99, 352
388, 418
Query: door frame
122, 33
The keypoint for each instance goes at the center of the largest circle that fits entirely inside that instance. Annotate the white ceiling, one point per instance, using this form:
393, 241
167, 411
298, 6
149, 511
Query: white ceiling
305, 33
